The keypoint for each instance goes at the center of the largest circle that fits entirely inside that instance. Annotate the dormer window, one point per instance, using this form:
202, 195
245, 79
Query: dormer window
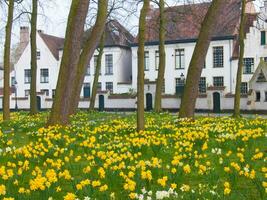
261, 77
38, 55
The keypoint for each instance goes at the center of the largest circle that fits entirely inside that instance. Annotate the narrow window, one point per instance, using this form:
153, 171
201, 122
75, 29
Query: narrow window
109, 64
248, 67
109, 87
27, 76
157, 60
202, 85
86, 90
44, 76
265, 96
179, 59
38, 55
244, 88
218, 57
146, 61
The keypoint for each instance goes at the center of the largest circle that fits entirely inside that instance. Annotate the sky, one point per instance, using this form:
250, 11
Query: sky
53, 18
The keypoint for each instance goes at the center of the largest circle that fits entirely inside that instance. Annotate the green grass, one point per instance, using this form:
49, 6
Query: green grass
109, 140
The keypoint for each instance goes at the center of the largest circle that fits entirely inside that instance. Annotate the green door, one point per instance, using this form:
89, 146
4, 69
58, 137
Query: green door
38, 99
86, 91
216, 102
101, 102
149, 102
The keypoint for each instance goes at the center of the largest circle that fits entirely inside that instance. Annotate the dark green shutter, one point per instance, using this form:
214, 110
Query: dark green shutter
263, 37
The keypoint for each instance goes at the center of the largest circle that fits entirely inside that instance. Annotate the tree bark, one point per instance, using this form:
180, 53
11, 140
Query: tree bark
240, 61
187, 108
141, 63
33, 100
6, 98
68, 68
97, 72
86, 55
162, 58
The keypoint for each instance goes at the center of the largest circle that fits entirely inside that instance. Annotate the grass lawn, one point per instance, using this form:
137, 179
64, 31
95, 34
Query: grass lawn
101, 156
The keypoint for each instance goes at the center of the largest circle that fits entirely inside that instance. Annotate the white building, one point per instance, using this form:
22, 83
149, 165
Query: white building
118, 79
219, 73
115, 70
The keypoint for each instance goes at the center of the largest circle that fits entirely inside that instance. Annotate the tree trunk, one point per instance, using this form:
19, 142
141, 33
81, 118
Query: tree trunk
240, 61
33, 100
87, 53
141, 63
68, 68
189, 97
97, 72
6, 99
162, 58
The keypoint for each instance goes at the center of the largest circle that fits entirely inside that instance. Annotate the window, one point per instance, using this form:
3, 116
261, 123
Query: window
44, 76
179, 59
244, 88
179, 85
248, 66
146, 61
46, 92
109, 64
99, 86
265, 59
265, 96
38, 55
218, 81
263, 37
217, 57
13, 81
27, 93
258, 96
202, 85
204, 66
157, 60
86, 90
109, 86
53, 93
27, 76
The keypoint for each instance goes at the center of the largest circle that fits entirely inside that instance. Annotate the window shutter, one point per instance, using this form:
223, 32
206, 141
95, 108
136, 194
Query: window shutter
263, 37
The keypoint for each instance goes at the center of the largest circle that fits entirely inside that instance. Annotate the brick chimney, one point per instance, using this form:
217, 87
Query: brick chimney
24, 34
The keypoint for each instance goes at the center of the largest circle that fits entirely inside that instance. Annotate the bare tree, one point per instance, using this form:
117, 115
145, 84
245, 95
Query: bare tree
240, 60
97, 71
69, 62
190, 94
162, 57
33, 100
6, 99
141, 62
86, 55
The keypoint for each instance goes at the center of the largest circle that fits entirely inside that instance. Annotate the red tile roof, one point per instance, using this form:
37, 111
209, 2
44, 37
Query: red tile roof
53, 43
184, 21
